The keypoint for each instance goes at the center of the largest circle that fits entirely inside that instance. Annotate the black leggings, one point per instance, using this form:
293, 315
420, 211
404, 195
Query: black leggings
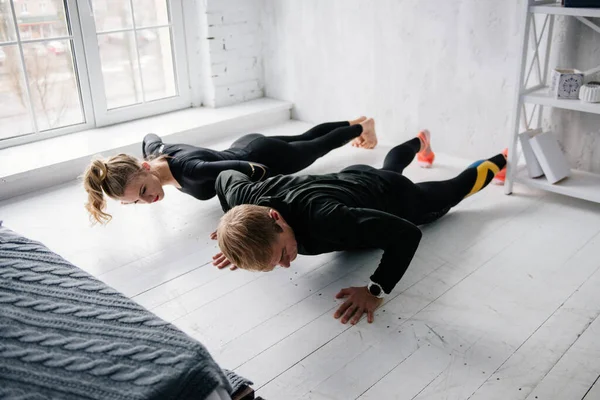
434, 199
290, 154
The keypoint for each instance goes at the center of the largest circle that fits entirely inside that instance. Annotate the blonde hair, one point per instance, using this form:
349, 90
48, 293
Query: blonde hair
108, 177
246, 234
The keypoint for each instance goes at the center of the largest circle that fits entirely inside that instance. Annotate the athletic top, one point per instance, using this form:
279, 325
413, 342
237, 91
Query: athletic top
341, 211
196, 168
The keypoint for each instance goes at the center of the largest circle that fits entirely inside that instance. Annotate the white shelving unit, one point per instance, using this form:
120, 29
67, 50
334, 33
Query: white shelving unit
580, 184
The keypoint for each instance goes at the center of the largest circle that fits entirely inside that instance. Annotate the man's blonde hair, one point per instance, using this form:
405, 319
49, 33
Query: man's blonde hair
246, 234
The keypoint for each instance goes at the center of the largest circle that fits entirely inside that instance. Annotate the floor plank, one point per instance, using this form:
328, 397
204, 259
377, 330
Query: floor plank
594, 392
526, 367
577, 370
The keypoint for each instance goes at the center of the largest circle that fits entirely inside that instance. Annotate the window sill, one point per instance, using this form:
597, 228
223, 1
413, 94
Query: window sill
37, 165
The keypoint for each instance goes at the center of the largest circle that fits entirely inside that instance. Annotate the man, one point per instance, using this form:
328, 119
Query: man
269, 223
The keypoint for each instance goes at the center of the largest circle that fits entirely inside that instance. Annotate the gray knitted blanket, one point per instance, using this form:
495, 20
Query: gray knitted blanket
66, 335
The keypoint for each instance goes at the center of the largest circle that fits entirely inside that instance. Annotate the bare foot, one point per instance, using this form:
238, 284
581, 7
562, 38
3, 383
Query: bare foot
357, 121
357, 142
368, 137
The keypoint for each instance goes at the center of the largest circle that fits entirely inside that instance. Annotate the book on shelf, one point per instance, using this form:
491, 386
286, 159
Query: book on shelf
534, 169
580, 3
550, 156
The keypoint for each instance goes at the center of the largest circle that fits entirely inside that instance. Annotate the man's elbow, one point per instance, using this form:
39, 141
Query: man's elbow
418, 234
415, 236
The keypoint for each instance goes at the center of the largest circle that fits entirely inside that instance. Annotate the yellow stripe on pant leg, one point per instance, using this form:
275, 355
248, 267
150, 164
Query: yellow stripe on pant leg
482, 173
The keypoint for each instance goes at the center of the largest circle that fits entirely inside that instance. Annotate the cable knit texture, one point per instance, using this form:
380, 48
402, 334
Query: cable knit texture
66, 335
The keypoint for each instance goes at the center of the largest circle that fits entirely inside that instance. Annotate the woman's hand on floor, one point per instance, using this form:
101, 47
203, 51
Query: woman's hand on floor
220, 261
359, 301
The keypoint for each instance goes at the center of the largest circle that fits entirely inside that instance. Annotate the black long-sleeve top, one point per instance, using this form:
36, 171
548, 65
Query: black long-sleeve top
343, 211
196, 168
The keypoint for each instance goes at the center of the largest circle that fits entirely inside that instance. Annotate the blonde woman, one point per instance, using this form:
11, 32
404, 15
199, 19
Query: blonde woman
193, 170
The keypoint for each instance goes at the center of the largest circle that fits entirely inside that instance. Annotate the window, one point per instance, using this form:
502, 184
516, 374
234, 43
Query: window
38, 80
72, 65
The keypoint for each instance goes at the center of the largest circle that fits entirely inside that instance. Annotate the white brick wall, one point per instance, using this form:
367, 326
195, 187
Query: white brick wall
233, 37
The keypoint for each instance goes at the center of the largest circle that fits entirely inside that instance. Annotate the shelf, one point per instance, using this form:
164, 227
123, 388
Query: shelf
542, 97
582, 185
557, 9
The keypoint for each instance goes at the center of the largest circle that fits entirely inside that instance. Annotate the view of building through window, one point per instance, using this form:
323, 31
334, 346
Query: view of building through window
135, 50
46, 66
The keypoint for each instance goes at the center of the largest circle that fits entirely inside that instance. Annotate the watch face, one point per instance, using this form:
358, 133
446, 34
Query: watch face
375, 290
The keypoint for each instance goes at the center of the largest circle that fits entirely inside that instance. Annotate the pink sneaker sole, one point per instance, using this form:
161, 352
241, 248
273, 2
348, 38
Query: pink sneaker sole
500, 177
425, 160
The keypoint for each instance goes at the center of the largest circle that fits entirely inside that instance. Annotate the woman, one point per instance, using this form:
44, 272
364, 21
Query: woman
193, 170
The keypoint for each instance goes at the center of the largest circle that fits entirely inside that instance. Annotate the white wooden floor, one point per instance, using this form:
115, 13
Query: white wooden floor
501, 301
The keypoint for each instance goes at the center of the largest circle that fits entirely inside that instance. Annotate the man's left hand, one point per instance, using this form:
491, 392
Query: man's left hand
359, 301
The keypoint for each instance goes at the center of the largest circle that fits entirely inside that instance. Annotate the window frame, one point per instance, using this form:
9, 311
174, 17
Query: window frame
103, 115
88, 72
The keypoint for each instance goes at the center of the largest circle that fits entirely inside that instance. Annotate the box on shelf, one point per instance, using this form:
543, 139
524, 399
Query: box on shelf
534, 169
581, 3
550, 156
566, 83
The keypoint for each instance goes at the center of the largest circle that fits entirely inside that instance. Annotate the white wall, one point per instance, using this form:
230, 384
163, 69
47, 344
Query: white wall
447, 65
224, 38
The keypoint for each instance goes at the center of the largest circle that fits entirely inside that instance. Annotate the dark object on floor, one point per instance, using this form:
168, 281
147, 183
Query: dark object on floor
66, 335
240, 386
246, 394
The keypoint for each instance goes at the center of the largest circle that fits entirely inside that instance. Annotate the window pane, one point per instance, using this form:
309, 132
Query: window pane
41, 19
120, 69
14, 106
157, 63
112, 14
53, 84
7, 26
150, 12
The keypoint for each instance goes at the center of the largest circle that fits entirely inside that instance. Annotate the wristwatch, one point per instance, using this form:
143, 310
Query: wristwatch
376, 290
263, 169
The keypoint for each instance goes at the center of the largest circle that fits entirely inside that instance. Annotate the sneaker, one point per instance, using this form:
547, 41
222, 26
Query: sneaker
426, 156
500, 177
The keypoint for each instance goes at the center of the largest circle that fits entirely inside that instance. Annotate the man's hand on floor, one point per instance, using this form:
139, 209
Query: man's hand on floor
359, 301
220, 261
